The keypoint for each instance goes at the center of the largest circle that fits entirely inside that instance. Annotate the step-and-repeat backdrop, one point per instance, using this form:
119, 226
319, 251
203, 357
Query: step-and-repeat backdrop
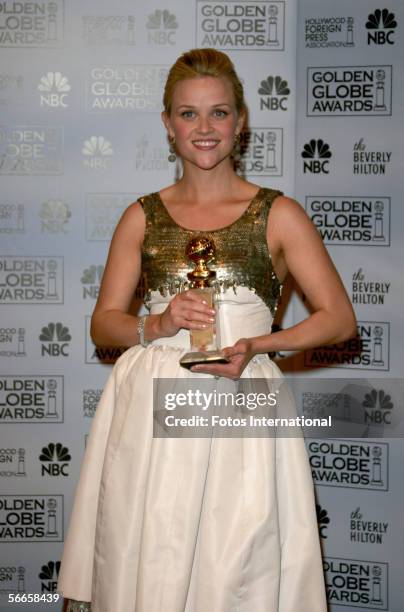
81, 138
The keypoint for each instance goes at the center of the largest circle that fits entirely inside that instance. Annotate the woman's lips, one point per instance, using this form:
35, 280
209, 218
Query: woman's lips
205, 145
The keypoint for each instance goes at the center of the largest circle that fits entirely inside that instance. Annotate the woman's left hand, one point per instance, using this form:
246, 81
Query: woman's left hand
239, 355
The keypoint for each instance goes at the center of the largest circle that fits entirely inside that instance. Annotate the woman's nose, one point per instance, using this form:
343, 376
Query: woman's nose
204, 124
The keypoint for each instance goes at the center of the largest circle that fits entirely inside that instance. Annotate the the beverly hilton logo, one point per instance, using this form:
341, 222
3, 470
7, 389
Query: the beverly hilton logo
55, 460
161, 26
111, 30
381, 25
48, 576
274, 93
316, 155
55, 338
54, 89
12, 219
97, 152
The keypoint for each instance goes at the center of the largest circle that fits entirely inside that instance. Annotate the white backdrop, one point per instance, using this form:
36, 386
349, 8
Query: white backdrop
81, 137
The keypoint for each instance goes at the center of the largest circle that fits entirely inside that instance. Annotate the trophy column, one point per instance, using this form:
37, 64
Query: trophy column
201, 251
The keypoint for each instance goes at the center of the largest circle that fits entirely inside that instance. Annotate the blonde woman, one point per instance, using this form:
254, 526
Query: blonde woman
201, 524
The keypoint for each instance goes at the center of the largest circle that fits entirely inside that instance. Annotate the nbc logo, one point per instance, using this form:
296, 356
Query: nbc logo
323, 520
381, 25
55, 460
48, 575
97, 150
317, 153
91, 280
161, 25
274, 92
55, 338
378, 407
54, 88
54, 215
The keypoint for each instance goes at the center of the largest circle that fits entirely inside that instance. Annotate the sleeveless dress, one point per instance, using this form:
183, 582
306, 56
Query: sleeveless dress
218, 524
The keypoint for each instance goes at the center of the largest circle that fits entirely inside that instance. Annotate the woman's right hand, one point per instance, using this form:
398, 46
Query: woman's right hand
186, 310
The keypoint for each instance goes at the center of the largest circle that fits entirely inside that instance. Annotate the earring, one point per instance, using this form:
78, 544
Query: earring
237, 147
171, 155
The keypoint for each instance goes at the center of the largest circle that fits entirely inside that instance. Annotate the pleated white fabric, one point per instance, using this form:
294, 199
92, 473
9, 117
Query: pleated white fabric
191, 524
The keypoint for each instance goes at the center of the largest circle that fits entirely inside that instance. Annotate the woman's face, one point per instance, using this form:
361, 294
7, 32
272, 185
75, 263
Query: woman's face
203, 120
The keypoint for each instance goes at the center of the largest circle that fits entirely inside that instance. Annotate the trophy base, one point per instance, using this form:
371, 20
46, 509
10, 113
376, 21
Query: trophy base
202, 357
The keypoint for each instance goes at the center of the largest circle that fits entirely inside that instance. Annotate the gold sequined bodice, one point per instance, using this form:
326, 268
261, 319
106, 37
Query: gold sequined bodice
242, 256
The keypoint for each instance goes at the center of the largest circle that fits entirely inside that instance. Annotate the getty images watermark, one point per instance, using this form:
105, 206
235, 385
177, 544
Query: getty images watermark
283, 407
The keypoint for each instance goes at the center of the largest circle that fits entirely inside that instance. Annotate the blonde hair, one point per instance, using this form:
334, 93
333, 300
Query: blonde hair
199, 63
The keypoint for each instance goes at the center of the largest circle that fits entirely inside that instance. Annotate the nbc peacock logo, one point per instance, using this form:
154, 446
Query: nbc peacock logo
97, 152
54, 88
378, 407
161, 26
55, 339
316, 155
48, 576
274, 92
54, 459
323, 520
381, 25
91, 279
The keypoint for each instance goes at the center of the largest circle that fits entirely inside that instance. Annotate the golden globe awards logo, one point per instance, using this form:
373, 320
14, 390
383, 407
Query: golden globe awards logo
357, 583
316, 155
12, 219
127, 87
261, 152
31, 280
103, 211
351, 220
161, 27
246, 26
274, 92
349, 91
332, 32
31, 150
31, 399
381, 25
31, 24
55, 460
348, 464
31, 518
109, 30
54, 89
369, 350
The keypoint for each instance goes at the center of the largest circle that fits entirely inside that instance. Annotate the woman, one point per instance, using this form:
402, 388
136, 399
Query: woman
189, 525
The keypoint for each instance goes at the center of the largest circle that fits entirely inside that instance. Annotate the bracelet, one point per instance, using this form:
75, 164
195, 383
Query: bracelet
140, 331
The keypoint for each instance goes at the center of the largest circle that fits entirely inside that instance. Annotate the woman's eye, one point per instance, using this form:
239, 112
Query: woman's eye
187, 114
221, 113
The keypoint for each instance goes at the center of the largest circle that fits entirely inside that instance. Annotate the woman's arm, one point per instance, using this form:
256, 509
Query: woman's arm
111, 325
296, 247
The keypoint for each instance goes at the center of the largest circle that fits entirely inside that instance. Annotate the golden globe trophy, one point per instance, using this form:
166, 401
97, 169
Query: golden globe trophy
201, 250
